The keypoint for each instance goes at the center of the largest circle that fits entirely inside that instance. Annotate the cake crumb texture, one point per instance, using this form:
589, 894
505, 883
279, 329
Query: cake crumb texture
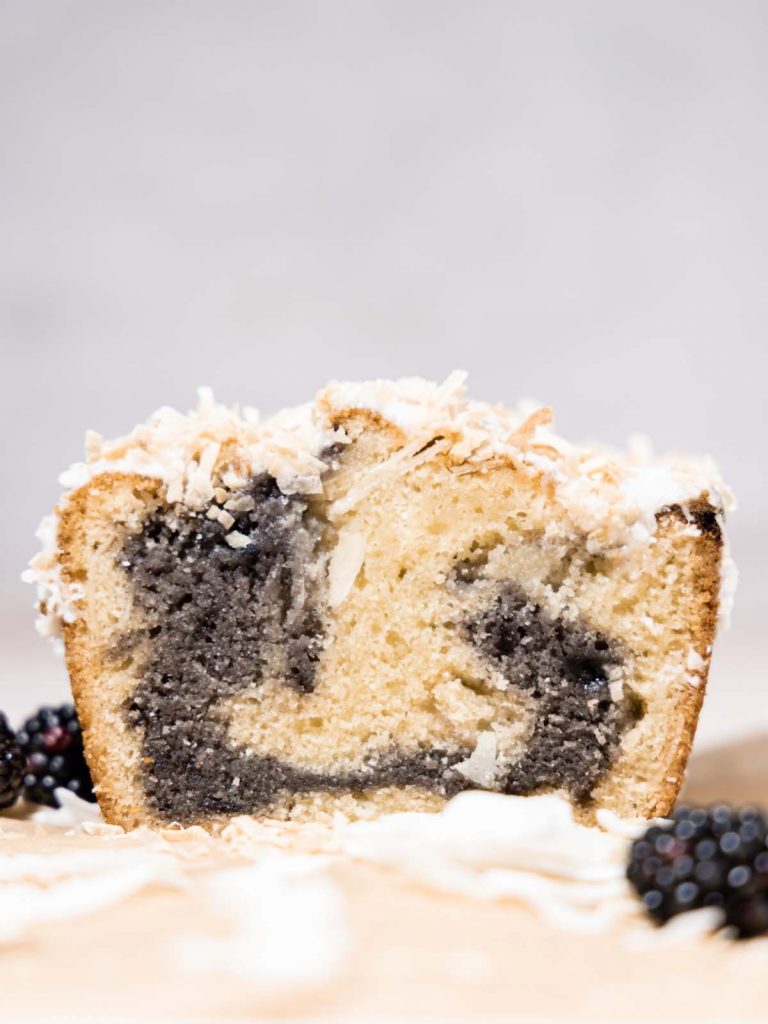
331, 610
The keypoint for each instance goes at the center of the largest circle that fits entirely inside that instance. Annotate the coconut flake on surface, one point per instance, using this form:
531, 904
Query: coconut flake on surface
286, 916
237, 540
220, 515
480, 766
287, 923
496, 847
271, 881
345, 563
610, 497
82, 866
695, 665
679, 931
57, 599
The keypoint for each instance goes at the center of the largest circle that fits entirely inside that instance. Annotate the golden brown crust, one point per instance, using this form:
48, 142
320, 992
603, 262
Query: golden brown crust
87, 653
703, 616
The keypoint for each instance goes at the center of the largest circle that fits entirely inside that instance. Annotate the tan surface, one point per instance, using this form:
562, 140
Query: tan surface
416, 956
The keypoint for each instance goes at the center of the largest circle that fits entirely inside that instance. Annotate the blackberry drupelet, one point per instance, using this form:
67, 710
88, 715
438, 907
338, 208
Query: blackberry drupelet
11, 765
701, 857
52, 743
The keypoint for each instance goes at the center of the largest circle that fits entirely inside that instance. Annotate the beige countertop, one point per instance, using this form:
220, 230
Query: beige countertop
412, 953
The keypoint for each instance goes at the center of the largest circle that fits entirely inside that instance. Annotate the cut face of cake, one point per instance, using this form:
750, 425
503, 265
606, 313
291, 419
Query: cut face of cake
376, 601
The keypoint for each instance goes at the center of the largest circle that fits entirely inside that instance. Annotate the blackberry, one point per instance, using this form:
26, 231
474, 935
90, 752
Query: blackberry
11, 765
715, 857
52, 743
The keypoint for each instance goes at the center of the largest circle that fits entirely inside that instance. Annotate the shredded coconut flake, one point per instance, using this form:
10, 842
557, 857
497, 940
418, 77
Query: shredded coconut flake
221, 516
611, 498
235, 539
345, 563
527, 849
240, 503
480, 766
405, 460
287, 924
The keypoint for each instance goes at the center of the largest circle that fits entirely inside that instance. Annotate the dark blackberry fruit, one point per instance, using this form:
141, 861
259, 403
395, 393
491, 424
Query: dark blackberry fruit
11, 765
716, 857
52, 743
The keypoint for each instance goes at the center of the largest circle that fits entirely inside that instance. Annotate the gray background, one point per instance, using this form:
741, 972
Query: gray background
566, 199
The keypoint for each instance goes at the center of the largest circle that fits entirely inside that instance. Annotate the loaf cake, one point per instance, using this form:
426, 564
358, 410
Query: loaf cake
377, 600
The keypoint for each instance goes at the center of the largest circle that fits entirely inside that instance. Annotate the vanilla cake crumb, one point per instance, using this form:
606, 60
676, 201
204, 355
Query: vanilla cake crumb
377, 600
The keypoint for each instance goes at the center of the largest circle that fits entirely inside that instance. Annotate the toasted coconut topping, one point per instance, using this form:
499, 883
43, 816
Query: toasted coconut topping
207, 455
345, 563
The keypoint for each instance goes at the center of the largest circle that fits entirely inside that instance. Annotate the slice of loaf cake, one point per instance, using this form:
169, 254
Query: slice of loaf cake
375, 601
